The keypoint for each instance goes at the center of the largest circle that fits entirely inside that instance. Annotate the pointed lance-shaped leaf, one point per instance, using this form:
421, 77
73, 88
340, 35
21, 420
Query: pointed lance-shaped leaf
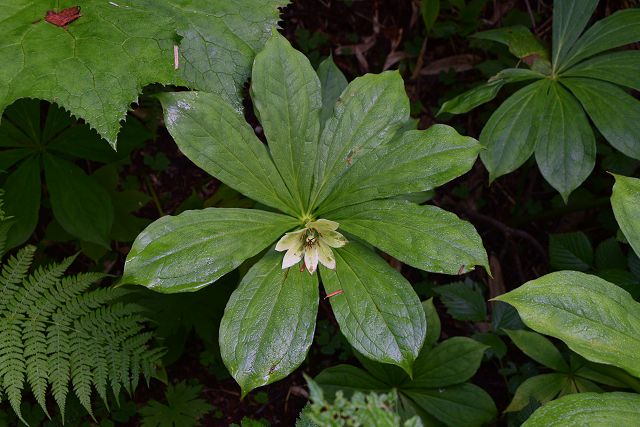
285, 91
268, 324
418, 161
217, 139
378, 311
188, 251
425, 237
625, 201
565, 145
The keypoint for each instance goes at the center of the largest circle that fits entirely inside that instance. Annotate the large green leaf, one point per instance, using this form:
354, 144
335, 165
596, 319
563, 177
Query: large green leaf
588, 409
614, 112
451, 362
22, 201
626, 207
539, 349
80, 205
424, 237
367, 114
268, 324
541, 388
98, 64
333, 82
378, 311
285, 90
618, 29
617, 67
479, 95
595, 318
188, 251
566, 147
569, 19
420, 161
461, 405
218, 139
510, 134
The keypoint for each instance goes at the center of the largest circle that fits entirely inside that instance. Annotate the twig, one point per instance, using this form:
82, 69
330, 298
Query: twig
154, 196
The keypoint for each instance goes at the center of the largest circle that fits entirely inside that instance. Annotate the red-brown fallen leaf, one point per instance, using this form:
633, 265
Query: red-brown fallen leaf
64, 17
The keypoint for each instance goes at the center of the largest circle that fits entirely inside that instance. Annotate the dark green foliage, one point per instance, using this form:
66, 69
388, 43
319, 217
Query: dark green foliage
57, 335
183, 409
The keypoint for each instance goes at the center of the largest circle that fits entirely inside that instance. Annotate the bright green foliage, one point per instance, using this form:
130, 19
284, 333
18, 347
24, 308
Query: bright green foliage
359, 410
626, 207
589, 409
56, 333
439, 391
338, 155
184, 407
576, 307
80, 204
547, 117
576, 376
96, 66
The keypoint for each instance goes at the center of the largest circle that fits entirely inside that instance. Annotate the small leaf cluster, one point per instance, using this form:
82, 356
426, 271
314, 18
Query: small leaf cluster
548, 117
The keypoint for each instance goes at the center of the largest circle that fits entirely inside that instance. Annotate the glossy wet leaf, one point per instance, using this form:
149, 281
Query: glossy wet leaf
593, 317
626, 207
566, 147
378, 311
283, 77
592, 409
97, 66
614, 112
269, 322
90, 220
424, 237
218, 139
188, 251
368, 114
419, 161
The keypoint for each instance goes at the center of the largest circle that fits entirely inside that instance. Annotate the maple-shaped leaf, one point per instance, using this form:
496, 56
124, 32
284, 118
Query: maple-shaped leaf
96, 62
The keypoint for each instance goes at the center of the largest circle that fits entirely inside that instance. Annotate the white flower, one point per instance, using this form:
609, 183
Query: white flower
313, 243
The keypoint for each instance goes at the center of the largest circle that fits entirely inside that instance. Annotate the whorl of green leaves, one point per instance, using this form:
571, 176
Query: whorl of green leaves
56, 333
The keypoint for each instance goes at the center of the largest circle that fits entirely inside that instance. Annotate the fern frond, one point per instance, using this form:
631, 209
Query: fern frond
57, 334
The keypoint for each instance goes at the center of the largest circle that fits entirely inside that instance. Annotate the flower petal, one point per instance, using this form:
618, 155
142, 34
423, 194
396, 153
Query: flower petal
325, 256
293, 256
311, 258
289, 240
323, 225
334, 239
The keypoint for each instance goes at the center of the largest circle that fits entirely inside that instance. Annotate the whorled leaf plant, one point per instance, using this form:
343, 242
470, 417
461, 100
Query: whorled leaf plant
548, 116
339, 159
